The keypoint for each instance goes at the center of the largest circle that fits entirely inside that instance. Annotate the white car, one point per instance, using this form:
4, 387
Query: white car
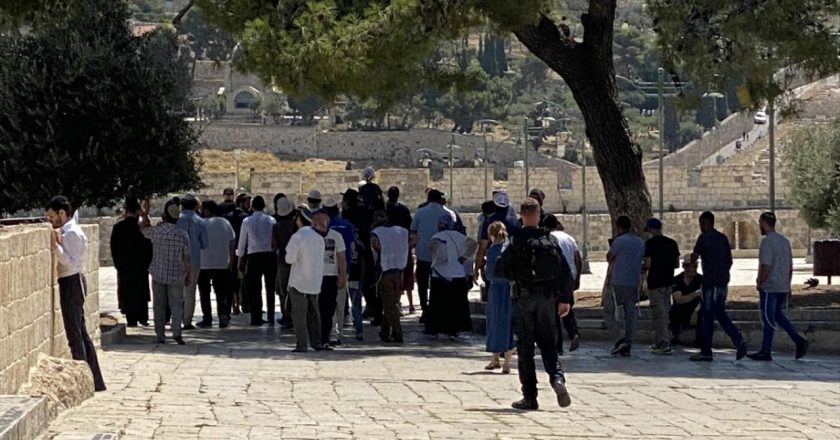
760, 118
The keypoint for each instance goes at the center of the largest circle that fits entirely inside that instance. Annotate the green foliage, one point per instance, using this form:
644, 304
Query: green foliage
706, 112
90, 112
209, 41
813, 156
671, 130
306, 106
713, 41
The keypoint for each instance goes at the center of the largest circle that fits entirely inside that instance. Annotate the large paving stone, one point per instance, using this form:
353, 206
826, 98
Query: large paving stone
22, 417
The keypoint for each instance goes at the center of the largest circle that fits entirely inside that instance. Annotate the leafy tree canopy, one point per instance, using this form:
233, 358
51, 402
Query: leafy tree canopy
88, 111
814, 158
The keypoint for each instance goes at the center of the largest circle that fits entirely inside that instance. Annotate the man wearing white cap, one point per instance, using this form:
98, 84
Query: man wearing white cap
502, 203
195, 226
313, 199
305, 254
369, 192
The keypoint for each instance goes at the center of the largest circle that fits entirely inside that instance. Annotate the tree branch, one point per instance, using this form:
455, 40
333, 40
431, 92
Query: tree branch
598, 27
545, 40
177, 20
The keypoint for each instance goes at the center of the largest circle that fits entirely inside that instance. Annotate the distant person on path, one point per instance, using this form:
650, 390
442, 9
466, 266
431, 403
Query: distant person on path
69, 245
348, 234
686, 296
775, 270
170, 268
423, 227
305, 254
216, 261
228, 204
625, 256
195, 227
501, 214
390, 246
132, 254
662, 256
713, 250
284, 228
399, 215
370, 193
449, 306
542, 289
258, 260
572, 255
236, 217
499, 335
335, 275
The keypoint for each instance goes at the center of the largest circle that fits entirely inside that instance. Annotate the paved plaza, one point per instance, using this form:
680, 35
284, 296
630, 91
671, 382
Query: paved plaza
244, 383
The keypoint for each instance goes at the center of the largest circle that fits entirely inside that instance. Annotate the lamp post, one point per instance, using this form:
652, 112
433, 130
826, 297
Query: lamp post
584, 264
771, 114
527, 162
660, 83
451, 181
237, 156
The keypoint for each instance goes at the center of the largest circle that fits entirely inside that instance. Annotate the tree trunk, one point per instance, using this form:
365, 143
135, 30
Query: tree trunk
587, 68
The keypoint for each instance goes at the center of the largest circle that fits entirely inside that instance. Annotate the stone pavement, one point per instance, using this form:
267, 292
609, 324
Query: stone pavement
244, 383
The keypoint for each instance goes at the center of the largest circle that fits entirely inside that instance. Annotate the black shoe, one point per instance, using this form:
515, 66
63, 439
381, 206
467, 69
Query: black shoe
299, 350
99, 388
760, 356
144, 323
131, 324
675, 342
563, 398
188, 327
617, 343
160, 341
376, 322
225, 325
422, 318
397, 340
258, 323
741, 351
526, 404
575, 343
288, 326
204, 324
621, 348
180, 341
700, 357
335, 342
802, 348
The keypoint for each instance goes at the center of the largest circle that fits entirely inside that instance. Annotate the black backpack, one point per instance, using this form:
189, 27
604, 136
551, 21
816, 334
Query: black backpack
538, 260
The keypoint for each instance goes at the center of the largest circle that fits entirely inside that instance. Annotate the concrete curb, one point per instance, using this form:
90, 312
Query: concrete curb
22, 417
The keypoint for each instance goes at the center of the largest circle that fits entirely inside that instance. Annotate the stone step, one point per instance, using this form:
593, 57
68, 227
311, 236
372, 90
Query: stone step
22, 417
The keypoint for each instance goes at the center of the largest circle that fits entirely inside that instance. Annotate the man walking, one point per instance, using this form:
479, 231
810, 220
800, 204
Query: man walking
423, 227
625, 257
132, 254
572, 255
196, 229
284, 227
390, 245
69, 244
170, 268
305, 254
335, 273
775, 270
542, 289
216, 263
716, 256
258, 261
662, 256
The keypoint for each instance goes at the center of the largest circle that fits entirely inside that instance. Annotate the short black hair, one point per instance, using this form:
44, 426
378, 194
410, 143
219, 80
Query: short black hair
769, 218
623, 222
189, 204
393, 193
435, 196
488, 208
332, 211
537, 194
58, 203
211, 206
708, 216
551, 223
277, 197
131, 204
258, 203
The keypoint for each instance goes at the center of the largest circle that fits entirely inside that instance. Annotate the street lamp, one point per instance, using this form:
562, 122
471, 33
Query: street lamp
584, 264
487, 149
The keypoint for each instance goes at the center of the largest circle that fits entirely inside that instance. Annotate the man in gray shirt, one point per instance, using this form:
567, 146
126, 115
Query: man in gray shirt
773, 283
625, 256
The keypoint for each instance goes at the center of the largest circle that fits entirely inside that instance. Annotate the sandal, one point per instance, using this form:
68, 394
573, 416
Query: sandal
506, 370
492, 366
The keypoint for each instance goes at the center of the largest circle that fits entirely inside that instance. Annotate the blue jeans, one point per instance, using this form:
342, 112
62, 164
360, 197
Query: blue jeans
356, 305
773, 313
713, 306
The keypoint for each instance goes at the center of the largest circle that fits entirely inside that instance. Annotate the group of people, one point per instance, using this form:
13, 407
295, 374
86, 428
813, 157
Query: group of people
325, 259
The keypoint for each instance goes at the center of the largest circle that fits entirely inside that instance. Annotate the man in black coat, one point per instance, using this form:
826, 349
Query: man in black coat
132, 254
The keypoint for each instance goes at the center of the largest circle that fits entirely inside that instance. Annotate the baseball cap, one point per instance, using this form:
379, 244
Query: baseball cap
501, 200
653, 223
314, 195
284, 206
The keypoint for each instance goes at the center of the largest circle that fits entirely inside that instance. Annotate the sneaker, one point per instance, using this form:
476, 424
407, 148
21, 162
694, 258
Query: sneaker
700, 357
621, 348
760, 356
802, 348
575, 343
563, 398
180, 340
463, 337
526, 404
661, 348
741, 351
204, 325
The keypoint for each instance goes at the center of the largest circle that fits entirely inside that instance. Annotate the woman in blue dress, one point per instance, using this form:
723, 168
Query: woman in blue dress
499, 305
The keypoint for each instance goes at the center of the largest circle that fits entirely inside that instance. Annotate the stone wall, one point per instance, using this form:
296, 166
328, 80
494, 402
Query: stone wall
30, 314
215, 183
467, 187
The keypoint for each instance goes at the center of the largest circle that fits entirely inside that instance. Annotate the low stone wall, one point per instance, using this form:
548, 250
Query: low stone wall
30, 312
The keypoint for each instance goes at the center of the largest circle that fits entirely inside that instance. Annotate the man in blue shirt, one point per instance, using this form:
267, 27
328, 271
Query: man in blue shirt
191, 223
423, 227
713, 250
625, 257
348, 234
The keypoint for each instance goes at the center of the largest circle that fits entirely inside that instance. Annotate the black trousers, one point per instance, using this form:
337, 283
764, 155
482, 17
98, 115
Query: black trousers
570, 324
373, 303
134, 295
326, 306
222, 283
261, 267
534, 323
680, 317
423, 274
72, 291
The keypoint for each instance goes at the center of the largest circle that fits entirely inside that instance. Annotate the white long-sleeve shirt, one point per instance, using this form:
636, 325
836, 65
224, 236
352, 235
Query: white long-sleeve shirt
70, 254
256, 234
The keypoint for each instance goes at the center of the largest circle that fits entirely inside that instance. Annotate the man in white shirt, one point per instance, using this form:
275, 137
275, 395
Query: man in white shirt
390, 245
305, 253
70, 246
571, 253
335, 273
258, 260
216, 262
